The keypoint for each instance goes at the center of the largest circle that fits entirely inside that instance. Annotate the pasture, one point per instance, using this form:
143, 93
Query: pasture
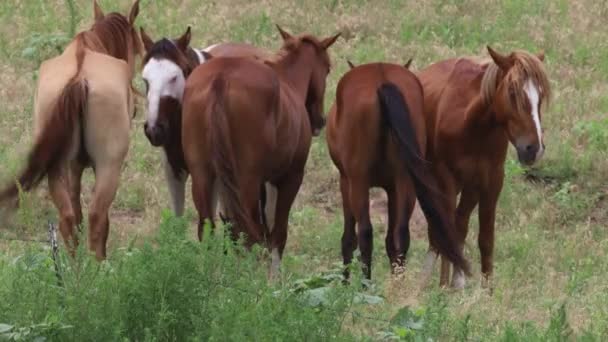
551, 269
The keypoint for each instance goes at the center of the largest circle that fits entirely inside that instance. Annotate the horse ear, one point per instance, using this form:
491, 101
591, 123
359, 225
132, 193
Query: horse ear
184, 41
350, 64
206, 55
284, 34
407, 64
148, 42
134, 12
541, 56
97, 11
503, 62
327, 42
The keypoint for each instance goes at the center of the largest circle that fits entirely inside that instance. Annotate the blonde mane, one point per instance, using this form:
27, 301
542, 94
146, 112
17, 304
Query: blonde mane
527, 67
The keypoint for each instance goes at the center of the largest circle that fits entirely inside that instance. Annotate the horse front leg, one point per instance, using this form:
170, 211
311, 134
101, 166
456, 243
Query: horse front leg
487, 216
177, 187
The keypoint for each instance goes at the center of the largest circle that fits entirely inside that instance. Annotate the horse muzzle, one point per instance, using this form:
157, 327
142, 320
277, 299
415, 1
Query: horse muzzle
529, 154
155, 134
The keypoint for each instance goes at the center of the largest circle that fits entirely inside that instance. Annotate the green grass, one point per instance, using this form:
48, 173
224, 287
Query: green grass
552, 243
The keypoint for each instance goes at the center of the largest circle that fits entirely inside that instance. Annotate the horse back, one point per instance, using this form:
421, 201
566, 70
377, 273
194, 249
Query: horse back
237, 50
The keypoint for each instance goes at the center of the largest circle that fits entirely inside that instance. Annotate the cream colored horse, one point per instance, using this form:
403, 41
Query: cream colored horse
83, 110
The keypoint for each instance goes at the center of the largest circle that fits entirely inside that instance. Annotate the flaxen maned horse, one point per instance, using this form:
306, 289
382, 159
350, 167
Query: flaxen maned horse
473, 110
247, 125
377, 137
166, 66
82, 116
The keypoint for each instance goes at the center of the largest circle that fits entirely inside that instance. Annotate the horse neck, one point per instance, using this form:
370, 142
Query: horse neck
105, 45
194, 57
295, 69
480, 116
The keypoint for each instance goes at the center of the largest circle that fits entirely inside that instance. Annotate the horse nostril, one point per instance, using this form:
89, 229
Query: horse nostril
529, 148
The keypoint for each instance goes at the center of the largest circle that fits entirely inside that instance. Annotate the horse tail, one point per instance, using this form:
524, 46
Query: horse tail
396, 113
56, 138
223, 160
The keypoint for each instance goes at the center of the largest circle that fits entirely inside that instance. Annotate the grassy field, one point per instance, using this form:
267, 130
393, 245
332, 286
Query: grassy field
551, 280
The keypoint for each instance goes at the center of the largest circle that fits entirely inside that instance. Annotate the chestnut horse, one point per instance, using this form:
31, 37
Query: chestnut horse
377, 137
166, 66
473, 110
83, 111
247, 125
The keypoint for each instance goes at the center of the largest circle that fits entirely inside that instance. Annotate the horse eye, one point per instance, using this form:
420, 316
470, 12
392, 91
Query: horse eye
173, 80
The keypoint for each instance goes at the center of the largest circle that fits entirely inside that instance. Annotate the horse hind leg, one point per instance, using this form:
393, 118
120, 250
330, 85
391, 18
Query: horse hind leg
286, 192
468, 202
58, 189
349, 236
389, 242
270, 211
359, 200
76, 170
205, 194
405, 200
106, 184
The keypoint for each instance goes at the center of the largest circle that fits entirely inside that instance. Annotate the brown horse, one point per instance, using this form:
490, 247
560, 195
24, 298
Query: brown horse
166, 66
473, 110
377, 137
83, 111
247, 125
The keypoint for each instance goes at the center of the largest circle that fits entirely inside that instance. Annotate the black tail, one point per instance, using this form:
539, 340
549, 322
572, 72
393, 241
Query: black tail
397, 115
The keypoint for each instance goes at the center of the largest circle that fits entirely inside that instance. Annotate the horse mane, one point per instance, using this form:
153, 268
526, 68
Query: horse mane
166, 49
294, 44
111, 36
526, 67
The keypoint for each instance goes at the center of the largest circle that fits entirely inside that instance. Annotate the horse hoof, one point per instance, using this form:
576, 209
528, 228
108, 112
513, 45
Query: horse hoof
487, 284
458, 281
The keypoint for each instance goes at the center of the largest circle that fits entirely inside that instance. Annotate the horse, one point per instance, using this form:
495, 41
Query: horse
166, 66
83, 109
473, 110
248, 125
377, 137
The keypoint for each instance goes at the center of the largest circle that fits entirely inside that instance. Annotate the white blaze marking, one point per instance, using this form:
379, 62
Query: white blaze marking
534, 98
271, 205
164, 78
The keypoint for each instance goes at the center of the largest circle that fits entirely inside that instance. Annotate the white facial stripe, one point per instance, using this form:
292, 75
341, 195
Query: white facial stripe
165, 79
534, 98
